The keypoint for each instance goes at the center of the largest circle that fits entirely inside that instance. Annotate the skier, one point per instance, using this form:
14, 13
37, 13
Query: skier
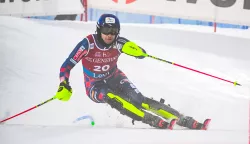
106, 83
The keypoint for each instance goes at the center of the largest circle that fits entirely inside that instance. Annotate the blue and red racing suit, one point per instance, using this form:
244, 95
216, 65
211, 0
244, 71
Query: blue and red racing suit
100, 70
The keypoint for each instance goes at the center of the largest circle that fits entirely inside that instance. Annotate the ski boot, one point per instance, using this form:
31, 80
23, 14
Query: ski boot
157, 122
128, 109
190, 123
165, 111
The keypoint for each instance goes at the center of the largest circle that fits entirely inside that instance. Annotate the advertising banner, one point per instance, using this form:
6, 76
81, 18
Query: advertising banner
40, 7
225, 11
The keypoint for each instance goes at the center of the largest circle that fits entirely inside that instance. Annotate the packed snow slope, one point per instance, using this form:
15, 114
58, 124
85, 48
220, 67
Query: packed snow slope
32, 51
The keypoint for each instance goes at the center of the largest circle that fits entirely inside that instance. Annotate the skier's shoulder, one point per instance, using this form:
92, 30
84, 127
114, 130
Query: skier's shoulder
121, 40
90, 38
87, 41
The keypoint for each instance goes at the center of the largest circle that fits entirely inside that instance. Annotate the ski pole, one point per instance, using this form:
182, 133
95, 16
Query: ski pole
153, 57
28, 109
132, 49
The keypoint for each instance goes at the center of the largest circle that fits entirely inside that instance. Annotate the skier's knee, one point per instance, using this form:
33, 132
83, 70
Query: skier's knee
98, 93
134, 95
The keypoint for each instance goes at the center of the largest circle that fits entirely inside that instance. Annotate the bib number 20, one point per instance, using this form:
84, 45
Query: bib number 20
101, 68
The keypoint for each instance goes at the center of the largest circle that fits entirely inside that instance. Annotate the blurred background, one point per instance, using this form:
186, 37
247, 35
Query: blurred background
92, 14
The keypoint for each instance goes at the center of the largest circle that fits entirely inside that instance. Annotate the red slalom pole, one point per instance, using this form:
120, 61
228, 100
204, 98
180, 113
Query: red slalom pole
28, 110
235, 83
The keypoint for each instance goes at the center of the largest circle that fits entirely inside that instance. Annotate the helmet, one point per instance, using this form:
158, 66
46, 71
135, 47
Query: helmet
107, 24
108, 21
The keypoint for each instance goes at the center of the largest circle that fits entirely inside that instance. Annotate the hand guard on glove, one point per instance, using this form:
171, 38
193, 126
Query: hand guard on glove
132, 49
141, 57
64, 91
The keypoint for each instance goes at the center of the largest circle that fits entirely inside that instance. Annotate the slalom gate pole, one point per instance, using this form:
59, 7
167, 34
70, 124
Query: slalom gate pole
28, 109
162, 60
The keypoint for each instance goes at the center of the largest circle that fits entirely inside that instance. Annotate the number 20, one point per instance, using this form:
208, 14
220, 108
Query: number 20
101, 68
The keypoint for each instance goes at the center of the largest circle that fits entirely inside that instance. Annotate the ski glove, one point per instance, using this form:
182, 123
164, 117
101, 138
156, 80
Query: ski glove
132, 49
141, 57
64, 91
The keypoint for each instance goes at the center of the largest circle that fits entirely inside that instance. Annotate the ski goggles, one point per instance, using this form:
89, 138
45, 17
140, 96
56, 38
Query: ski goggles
109, 30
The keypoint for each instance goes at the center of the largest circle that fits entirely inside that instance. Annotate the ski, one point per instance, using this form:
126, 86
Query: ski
199, 126
206, 124
171, 124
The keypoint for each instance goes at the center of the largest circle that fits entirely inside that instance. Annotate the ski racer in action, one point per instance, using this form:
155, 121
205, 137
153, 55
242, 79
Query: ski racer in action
106, 83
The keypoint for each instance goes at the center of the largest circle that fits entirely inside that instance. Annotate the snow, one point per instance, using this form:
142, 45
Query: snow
32, 51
